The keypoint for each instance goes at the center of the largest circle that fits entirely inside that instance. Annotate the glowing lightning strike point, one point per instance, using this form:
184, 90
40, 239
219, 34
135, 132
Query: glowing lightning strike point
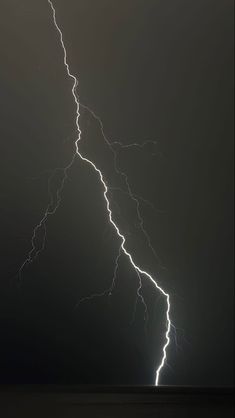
121, 236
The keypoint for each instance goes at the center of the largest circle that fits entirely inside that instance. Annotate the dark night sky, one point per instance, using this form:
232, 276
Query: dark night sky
151, 69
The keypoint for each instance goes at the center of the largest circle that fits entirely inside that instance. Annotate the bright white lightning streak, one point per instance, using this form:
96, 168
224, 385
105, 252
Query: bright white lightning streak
133, 197
136, 201
121, 236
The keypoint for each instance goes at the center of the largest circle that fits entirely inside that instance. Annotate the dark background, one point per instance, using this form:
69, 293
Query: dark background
159, 70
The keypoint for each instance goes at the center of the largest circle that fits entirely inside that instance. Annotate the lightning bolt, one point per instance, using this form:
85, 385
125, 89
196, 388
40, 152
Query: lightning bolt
105, 188
136, 199
53, 205
129, 192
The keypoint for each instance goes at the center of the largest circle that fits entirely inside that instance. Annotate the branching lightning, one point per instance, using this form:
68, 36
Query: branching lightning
53, 205
135, 199
50, 210
129, 192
